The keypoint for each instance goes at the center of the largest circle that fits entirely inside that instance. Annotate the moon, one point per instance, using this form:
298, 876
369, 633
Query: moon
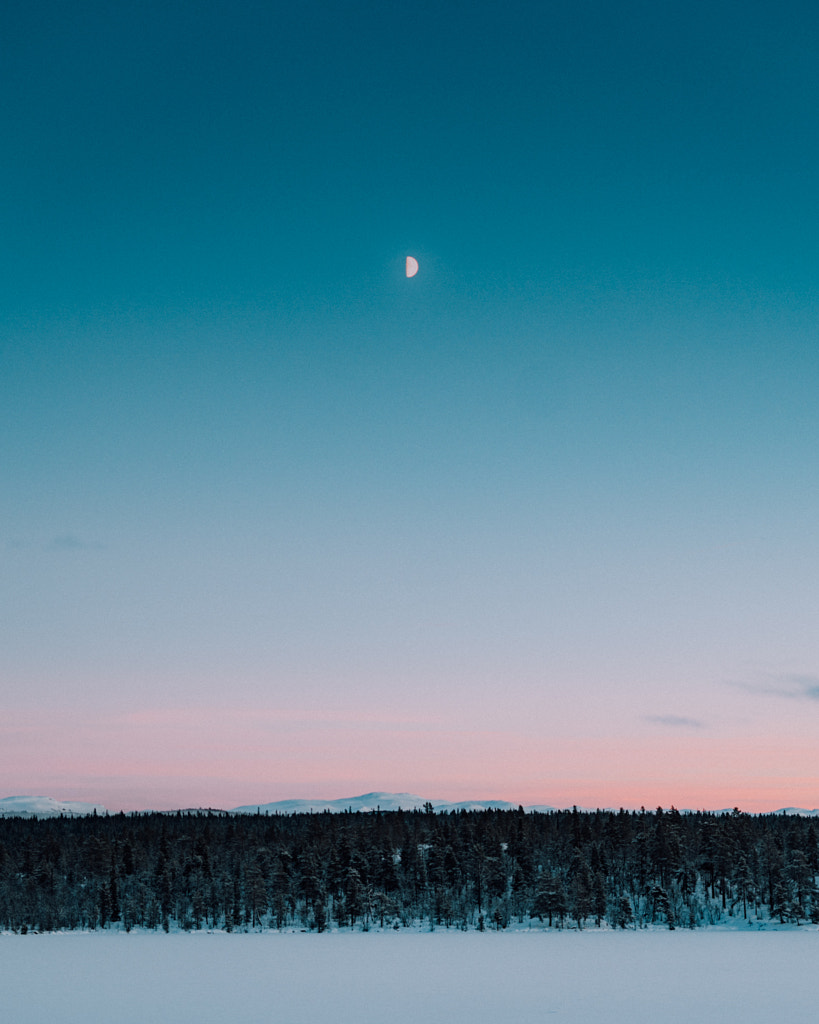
412, 266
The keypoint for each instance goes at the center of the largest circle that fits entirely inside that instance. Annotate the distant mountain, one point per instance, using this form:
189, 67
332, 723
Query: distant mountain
366, 802
377, 801
48, 807
45, 807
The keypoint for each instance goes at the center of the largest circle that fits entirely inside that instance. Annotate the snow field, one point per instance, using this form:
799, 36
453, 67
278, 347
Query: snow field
406, 978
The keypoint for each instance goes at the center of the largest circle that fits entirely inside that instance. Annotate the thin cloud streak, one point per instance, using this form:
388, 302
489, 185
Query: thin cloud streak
792, 686
675, 721
68, 542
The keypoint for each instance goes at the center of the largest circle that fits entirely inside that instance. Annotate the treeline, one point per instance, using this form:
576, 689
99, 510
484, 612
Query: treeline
467, 870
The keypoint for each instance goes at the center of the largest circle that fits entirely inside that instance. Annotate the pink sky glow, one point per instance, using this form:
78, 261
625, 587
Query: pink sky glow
223, 757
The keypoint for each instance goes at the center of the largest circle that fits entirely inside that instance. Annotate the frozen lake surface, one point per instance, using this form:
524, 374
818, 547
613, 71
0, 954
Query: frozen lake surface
372, 978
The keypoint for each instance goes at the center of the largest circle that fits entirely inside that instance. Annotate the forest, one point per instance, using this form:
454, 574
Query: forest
407, 869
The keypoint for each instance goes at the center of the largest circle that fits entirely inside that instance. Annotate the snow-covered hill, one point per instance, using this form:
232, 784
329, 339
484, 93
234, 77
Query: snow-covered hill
377, 801
48, 807
365, 802
45, 807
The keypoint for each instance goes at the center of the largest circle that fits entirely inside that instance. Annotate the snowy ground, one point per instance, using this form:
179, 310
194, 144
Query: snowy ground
372, 978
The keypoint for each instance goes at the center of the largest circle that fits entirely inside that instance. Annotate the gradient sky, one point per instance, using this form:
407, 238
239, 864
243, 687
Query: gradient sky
541, 523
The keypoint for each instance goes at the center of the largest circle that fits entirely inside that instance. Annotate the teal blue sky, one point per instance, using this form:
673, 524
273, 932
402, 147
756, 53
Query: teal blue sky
539, 523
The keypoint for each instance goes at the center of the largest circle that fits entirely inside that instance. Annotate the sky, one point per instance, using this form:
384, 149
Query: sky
538, 524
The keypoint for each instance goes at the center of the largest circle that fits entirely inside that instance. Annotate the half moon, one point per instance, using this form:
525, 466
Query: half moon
412, 266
